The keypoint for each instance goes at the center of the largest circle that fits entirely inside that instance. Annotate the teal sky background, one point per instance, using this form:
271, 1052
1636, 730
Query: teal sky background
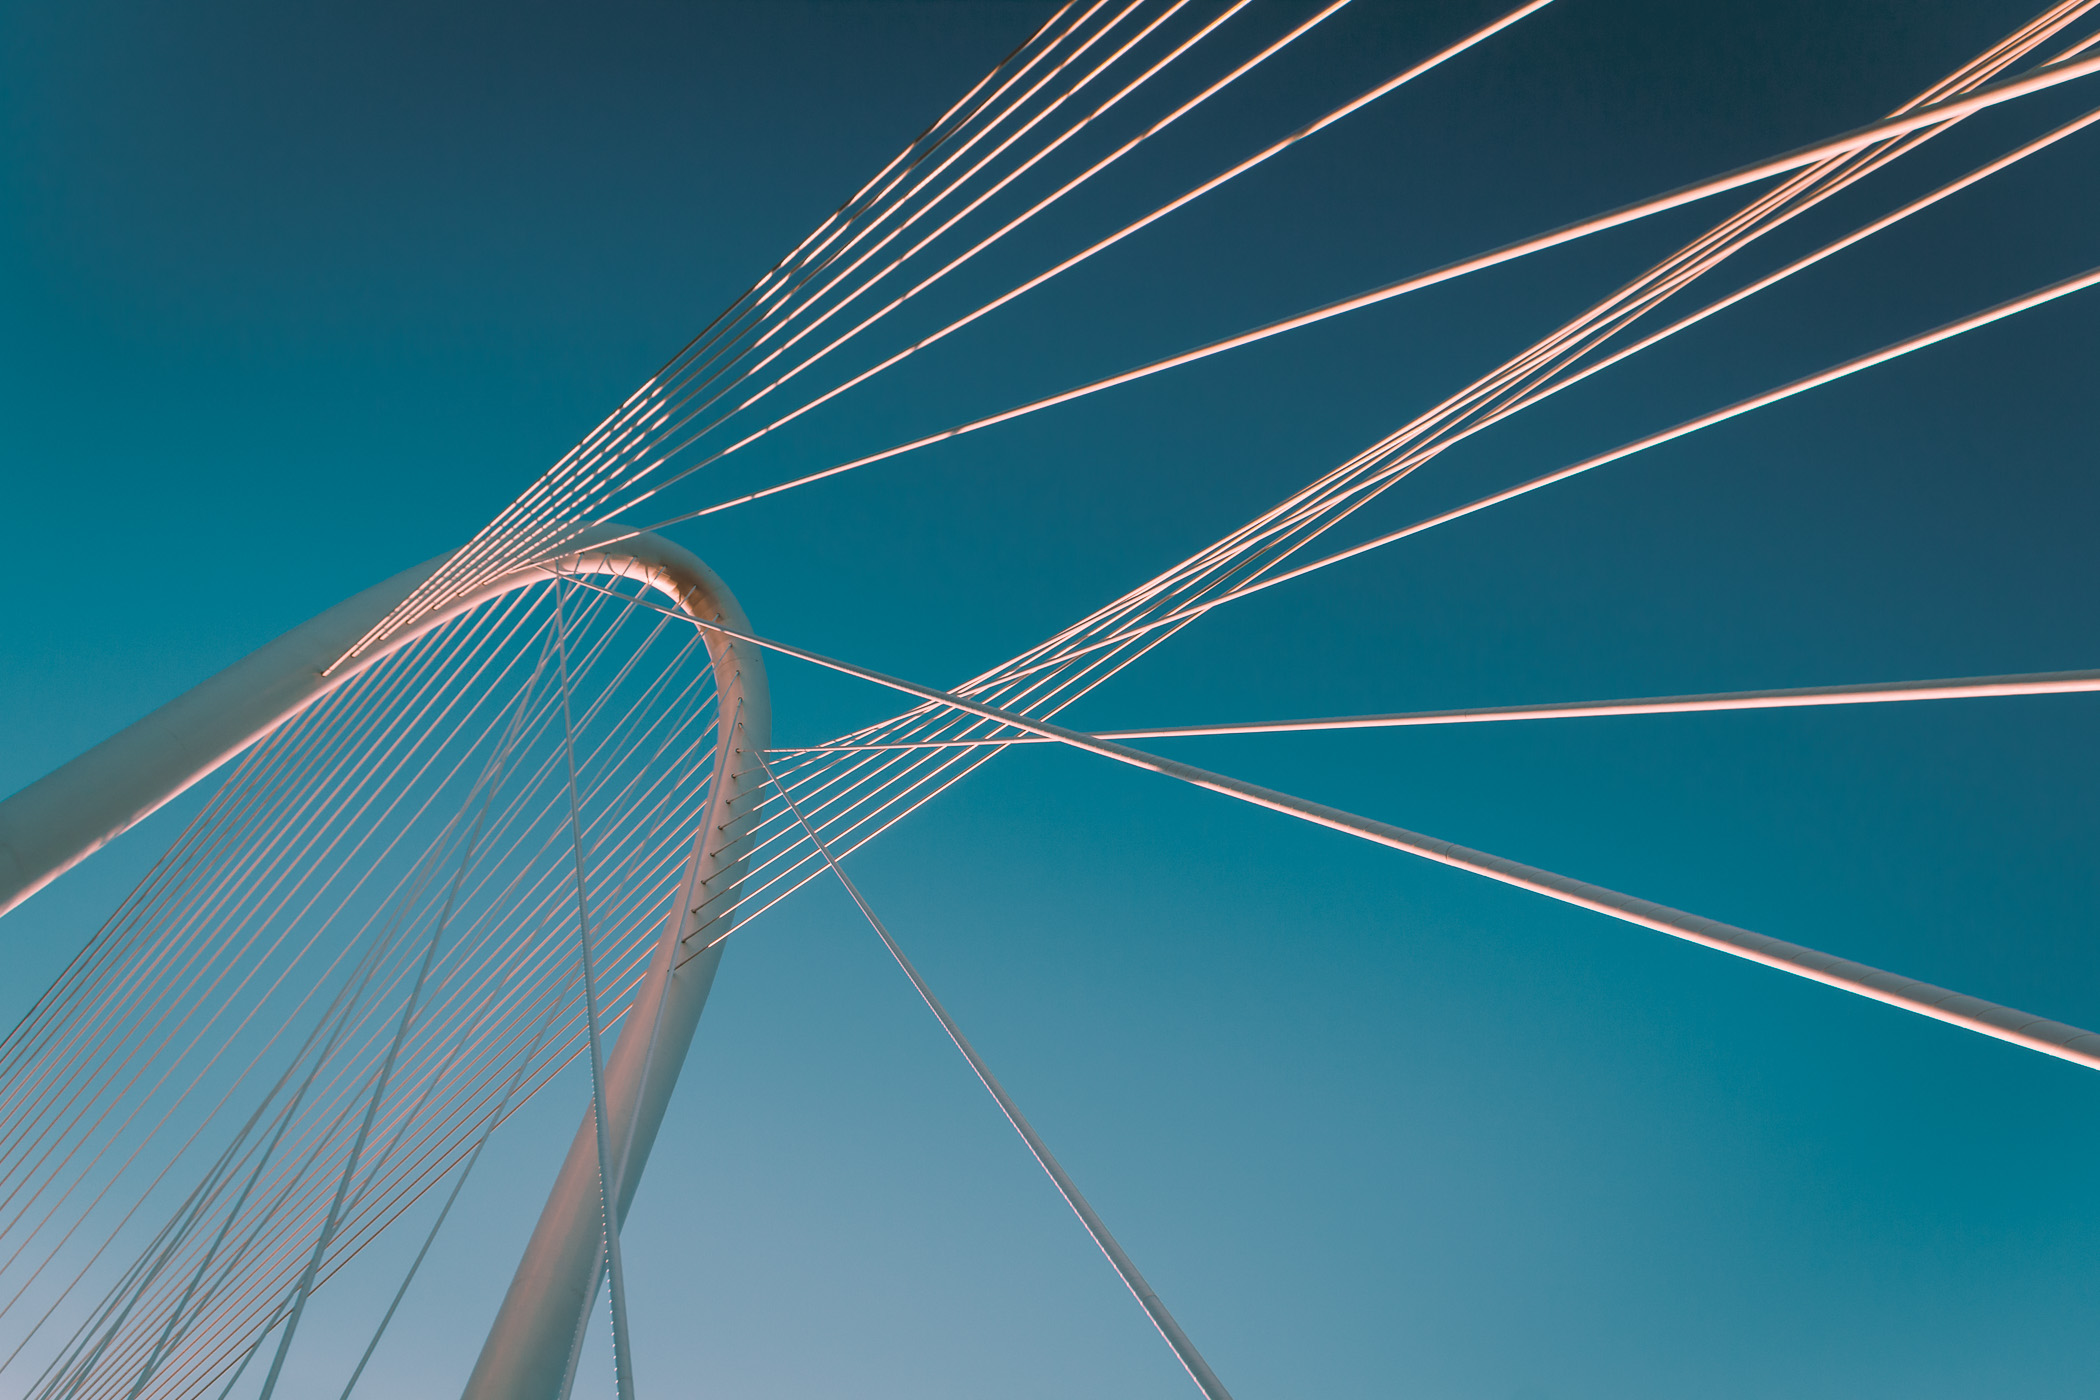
292, 298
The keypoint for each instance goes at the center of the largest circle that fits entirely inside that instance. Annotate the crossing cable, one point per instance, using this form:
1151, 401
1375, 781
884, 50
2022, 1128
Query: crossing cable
448, 581
1871, 693
1977, 71
236, 1328
489, 779
1022, 168
96, 1256
495, 1118
903, 798
339, 1264
492, 779
2056, 18
539, 918
578, 510
626, 800
644, 821
78, 1026
494, 1121
153, 887
752, 886
263, 1247
881, 812
80, 1367
559, 515
149, 1033
2047, 77
345, 772
928, 785
1970, 1013
282, 1195
82, 1219
889, 807
1406, 464
1364, 99
182, 1317
2062, 15
868, 196
1184, 1350
1852, 366
1782, 203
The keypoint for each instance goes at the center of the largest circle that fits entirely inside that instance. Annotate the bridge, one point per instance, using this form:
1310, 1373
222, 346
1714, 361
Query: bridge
496, 819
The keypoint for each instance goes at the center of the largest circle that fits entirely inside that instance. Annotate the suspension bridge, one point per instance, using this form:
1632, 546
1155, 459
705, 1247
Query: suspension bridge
490, 825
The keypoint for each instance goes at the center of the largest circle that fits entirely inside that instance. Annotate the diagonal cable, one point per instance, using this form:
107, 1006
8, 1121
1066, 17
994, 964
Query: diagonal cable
1184, 1350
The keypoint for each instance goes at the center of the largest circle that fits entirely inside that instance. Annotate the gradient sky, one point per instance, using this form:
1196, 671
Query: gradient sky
294, 297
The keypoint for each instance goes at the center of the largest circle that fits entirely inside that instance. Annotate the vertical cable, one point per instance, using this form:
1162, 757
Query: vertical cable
623, 1365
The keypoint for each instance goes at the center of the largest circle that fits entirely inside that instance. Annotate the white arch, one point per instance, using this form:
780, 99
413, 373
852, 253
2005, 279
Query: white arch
67, 815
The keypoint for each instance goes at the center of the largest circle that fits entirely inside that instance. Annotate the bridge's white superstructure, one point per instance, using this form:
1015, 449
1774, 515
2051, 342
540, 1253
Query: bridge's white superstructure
610, 807
63, 818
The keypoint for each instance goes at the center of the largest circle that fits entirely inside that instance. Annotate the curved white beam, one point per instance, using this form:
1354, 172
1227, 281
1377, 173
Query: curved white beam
65, 816
528, 1352
70, 813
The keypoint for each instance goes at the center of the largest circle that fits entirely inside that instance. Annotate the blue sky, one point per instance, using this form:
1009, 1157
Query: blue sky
296, 298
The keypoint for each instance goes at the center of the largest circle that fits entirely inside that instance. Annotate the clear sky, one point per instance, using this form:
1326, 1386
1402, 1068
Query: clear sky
292, 298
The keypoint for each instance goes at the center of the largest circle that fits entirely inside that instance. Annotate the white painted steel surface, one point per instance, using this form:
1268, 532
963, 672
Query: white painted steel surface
70, 813
529, 1350
67, 815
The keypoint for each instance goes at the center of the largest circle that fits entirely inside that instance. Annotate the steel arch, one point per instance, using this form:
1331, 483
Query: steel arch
73, 811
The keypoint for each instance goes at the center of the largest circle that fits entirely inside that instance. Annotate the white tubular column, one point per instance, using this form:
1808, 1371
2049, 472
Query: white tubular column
527, 1353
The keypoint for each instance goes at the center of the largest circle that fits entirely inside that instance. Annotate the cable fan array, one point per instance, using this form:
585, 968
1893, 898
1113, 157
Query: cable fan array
933, 195
864, 782
359, 958
681, 420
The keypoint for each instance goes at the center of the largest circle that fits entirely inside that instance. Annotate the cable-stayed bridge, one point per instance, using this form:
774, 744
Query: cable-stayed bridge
501, 814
